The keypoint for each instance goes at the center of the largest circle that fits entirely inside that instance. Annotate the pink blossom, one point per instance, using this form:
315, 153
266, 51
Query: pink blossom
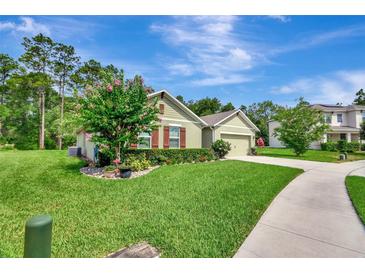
117, 82
260, 142
116, 161
109, 88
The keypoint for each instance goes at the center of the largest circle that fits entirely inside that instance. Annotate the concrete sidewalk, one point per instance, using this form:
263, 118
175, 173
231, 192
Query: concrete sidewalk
312, 217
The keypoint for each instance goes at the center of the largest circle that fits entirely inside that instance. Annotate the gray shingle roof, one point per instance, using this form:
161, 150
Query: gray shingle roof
215, 118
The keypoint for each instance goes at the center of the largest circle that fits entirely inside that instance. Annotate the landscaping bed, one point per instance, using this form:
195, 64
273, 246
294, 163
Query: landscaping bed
191, 210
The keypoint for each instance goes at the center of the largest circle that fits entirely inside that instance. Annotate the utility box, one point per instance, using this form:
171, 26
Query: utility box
74, 151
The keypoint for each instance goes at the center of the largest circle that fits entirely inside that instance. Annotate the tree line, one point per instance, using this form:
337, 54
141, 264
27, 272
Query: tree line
40, 92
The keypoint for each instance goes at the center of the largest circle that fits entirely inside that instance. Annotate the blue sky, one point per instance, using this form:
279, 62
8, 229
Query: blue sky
243, 59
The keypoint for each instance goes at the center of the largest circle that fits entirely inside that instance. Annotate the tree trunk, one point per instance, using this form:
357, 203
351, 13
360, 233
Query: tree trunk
117, 152
60, 129
42, 100
2, 103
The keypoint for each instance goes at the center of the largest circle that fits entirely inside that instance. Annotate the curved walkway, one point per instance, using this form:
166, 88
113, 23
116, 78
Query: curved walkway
311, 217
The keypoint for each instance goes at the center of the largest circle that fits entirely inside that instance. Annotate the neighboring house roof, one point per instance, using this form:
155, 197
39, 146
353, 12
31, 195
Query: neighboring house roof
217, 118
179, 104
328, 107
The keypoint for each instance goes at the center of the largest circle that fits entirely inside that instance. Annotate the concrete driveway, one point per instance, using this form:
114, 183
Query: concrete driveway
311, 217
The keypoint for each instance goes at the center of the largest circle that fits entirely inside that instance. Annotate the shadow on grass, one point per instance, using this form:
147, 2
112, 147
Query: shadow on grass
74, 167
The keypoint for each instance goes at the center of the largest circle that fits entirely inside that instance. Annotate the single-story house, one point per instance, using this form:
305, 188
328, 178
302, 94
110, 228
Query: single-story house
179, 127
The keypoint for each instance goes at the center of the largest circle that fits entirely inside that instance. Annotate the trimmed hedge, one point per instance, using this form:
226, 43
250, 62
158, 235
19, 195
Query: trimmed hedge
341, 145
329, 146
173, 156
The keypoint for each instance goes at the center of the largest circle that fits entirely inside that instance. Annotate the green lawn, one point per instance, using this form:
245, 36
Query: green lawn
356, 188
310, 155
192, 210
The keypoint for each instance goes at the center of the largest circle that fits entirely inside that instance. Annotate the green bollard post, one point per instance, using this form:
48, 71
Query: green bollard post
38, 237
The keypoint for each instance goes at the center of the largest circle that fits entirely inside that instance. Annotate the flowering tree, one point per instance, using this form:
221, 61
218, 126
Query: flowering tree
116, 114
260, 142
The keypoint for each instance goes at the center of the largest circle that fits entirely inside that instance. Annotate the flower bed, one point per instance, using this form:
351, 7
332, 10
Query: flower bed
98, 172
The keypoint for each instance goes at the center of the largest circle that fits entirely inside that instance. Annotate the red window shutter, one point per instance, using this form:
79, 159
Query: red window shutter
133, 145
166, 137
155, 138
182, 137
162, 108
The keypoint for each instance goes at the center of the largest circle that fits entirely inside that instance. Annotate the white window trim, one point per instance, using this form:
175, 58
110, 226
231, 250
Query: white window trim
327, 117
150, 137
235, 133
339, 115
178, 138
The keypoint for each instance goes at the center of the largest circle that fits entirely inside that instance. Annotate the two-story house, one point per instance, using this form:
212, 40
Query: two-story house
344, 122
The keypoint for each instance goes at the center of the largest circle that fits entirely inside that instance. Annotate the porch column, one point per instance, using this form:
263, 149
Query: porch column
348, 137
324, 139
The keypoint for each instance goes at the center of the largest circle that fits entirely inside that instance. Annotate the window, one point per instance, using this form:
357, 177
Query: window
339, 118
343, 136
328, 118
145, 140
363, 116
174, 137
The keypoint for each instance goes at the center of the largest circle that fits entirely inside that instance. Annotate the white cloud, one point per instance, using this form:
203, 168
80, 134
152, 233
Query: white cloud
318, 39
210, 48
336, 87
281, 18
181, 69
27, 26
222, 80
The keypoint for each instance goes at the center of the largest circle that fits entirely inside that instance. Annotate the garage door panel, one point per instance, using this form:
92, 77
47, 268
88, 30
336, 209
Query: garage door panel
240, 144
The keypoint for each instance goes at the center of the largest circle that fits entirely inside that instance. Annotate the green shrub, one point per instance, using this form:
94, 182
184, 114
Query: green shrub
363, 147
353, 146
221, 148
342, 145
138, 162
109, 168
329, 146
171, 156
7, 147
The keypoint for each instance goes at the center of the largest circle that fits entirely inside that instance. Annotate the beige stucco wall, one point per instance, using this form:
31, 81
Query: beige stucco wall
207, 136
235, 124
175, 116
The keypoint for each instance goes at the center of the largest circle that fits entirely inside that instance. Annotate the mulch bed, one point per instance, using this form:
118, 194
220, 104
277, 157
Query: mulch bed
97, 172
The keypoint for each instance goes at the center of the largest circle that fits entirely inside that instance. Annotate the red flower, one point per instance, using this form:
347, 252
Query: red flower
260, 142
117, 82
109, 88
116, 161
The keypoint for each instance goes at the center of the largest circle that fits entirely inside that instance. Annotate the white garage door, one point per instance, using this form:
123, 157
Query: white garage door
240, 144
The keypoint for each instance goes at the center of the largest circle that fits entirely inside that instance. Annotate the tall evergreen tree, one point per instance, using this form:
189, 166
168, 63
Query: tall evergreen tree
38, 58
64, 66
88, 74
7, 67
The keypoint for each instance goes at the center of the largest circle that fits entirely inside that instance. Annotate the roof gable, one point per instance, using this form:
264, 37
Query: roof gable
218, 118
178, 104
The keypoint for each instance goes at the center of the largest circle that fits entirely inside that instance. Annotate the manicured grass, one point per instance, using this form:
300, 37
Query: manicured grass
191, 210
356, 189
310, 155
